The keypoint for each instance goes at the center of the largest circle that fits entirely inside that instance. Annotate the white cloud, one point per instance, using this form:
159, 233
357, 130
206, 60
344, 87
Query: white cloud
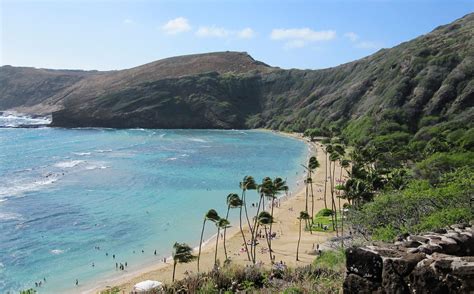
352, 36
219, 32
304, 34
212, 32
298, 38
128, 21
176, 26
246, 33
368, 45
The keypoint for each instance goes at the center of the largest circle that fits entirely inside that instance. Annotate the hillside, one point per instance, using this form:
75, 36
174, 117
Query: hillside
430, 75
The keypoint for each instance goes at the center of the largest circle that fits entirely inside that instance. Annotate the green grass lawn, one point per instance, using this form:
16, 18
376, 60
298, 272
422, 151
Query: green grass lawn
324, 219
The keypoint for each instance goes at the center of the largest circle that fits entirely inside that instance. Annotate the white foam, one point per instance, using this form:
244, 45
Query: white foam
19, 187
198, 140
68, 164
81, 153
172, 158
57, 251
103, 150
5, 216
92, 167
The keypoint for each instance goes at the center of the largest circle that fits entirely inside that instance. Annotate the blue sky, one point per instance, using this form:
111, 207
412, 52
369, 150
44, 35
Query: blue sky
107, 35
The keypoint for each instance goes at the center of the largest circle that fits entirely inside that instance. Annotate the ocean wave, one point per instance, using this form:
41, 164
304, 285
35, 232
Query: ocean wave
19, 187
92, 167
81, 153
198, 140
15, 119
171, 158
103, 150
57, 251
68, 164
7, 216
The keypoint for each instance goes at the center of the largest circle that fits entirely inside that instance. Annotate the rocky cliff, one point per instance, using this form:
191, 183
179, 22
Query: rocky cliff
441, 262
430, 75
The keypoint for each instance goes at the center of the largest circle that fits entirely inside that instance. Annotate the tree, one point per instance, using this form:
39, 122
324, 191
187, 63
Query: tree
312, 133
182, 253
266, 219
213, 216
303, 216
248, 183
279, 186
233, 201
312, 166
333, 157
222, 223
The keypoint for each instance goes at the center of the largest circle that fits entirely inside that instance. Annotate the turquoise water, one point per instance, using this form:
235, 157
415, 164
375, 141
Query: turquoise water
65, 192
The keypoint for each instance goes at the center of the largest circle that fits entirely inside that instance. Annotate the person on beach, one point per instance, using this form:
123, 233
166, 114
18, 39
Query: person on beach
126, 264
77, 282
113, 256
155, 252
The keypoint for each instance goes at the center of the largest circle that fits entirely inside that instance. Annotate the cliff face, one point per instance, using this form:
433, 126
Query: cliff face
430, 75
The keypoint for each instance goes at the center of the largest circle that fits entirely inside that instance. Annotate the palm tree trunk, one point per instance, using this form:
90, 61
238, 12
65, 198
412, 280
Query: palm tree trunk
332, 196
243, 235
312, 199
225, 231
269, 244
217, 242
200, 243
254, 245
341, 211
254, 232
174, 269
270, 239
298, 246
306, 193
325, 180
332, 202
244, 196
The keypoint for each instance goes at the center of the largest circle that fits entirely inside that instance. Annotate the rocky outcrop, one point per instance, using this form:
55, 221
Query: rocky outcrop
441, 262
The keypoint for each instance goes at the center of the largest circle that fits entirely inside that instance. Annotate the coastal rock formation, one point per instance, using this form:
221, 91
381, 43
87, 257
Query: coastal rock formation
440, 262
430, 75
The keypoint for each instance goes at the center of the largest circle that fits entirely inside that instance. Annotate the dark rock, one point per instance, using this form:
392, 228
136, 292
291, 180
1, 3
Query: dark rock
392, 281
356, 284
364, 263
403, 266
411, 244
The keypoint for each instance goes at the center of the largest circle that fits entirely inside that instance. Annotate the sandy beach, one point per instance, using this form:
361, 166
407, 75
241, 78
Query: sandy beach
284, 245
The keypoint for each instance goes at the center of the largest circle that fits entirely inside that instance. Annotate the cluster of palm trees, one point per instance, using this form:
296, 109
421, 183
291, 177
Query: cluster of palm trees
334, 154
269, 189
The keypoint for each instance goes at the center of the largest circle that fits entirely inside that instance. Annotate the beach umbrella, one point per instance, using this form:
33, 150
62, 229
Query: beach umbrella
147, 285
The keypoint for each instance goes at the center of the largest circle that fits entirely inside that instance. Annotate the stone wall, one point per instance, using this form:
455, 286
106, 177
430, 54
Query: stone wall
441, 262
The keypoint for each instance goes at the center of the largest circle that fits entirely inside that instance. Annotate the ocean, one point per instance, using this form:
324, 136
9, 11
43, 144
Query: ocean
70, 198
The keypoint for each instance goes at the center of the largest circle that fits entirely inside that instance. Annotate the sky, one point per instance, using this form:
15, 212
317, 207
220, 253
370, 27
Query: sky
108, 35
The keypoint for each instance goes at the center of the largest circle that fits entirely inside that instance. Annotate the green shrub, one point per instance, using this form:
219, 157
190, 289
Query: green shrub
332, 260
445, 217
386, 233
439, 163
324, 212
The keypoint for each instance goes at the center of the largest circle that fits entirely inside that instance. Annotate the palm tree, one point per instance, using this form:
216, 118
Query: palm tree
265, 219
233, 201
328, 150
303, 216
312, 166
182, 253
212, 216
248, 183
264, 189
333, 158
222, 223
279, 186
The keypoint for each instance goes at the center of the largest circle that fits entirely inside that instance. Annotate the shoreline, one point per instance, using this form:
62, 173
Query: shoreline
161, 271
